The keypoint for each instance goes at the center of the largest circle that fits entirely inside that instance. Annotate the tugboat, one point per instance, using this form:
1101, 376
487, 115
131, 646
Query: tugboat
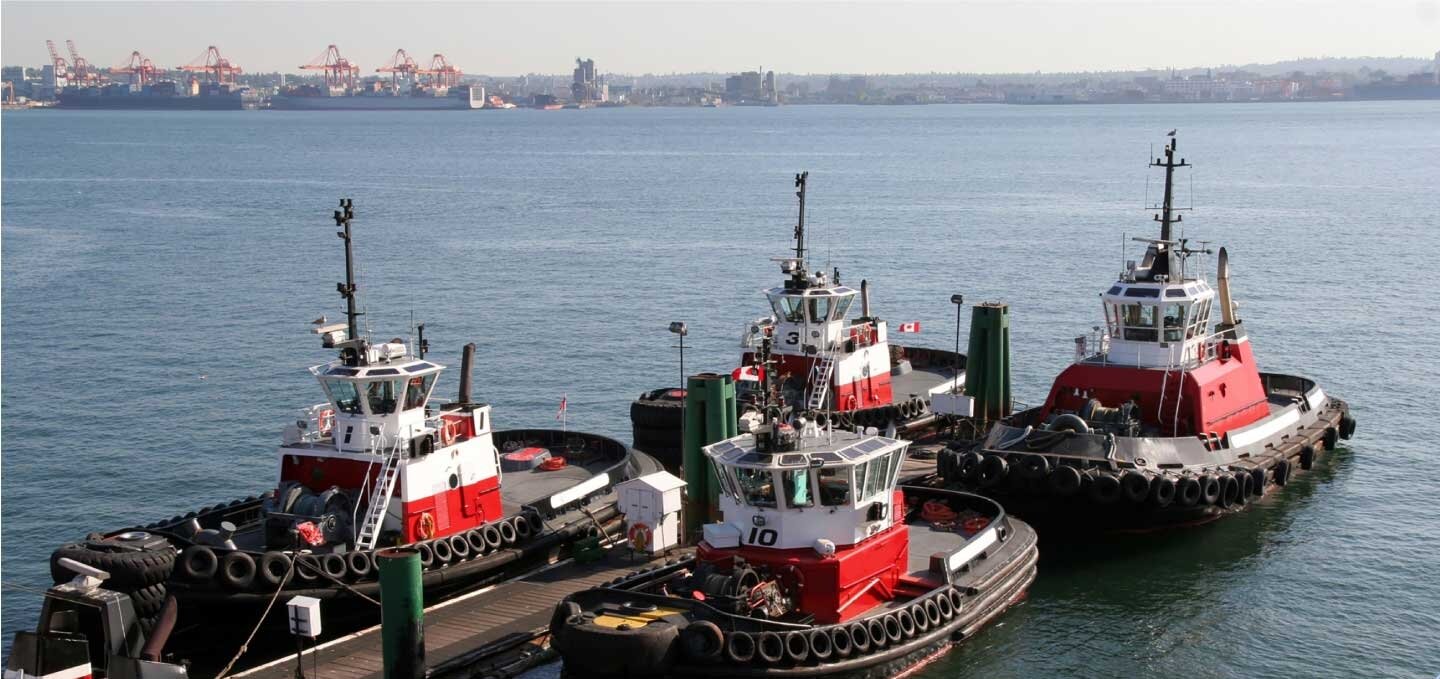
820, 565
377, 464
844, 371
1161, 418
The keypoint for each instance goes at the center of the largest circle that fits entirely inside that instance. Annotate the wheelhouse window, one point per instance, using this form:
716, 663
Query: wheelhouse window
382, 395
819, 309
834, 486
344, 395
1139, 321
757, 488
1174, 321
789, 308
842, 307
417, 390
796, 483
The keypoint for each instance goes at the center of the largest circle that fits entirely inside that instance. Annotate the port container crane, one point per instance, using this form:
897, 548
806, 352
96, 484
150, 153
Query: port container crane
399, 66
338, 71
215, 67
442, 73
62, 69
141, 70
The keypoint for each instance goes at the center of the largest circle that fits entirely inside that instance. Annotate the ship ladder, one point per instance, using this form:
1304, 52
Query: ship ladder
820, 373
380, 497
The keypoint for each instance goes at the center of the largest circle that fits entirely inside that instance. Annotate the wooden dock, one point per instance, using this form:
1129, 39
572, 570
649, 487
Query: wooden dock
497, 627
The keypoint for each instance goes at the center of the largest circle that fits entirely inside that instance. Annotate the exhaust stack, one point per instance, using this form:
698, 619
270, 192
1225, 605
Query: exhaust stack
1222, 279
864, 298
467, 364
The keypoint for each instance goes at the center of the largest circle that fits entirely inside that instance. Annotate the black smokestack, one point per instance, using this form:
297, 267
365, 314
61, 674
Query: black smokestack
467, 364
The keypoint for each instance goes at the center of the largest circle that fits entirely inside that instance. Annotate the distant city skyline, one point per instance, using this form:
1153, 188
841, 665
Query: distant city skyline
640, 38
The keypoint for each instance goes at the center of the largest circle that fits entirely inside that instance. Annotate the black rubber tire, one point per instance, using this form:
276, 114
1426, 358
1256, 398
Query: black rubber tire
702, 640
443, 553
893, 633
128, 570
1247, 485
908, 623
1135, 486
148, 600
1229, 491
237, 571
1104, 488
427, 554
957, 600
522, 529
739, 647
537, 524
1307, 457
993, 469
1209, 489
1331, 438
1347, 426
932, 612
1260, 478
1282, 472
459, 546
875, 628
507, 532
859, 634
770, 647
1162, 491
840, 645
658, 409
1034, 466
197, 563
1064, 480
272, 568
360, 565
797, 646
946, 608
478, 546
1188, 491
334, 566
817, 644
922, 618
307, 567
493, 538
967, 466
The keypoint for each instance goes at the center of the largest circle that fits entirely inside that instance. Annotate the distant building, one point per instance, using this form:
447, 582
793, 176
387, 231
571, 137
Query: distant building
587, 86
750, 87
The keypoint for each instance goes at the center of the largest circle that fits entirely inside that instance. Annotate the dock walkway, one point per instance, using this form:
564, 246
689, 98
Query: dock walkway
485, 627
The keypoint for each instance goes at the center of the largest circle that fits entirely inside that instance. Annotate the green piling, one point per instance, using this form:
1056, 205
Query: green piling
710, 416
402, 613
987, 367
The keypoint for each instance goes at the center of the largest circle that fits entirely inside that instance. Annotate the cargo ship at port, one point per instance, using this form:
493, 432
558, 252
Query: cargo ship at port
163, 95
311, 98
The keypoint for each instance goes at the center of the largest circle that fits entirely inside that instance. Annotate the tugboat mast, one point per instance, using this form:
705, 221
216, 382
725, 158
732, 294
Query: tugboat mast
1166, 218
800, 225
354, 342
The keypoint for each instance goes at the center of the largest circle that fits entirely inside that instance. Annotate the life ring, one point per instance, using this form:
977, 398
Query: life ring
449, 431
425, 526
639, 537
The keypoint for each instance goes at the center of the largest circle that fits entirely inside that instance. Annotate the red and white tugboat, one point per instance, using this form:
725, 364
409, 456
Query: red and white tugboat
821, 565
1168, 419
835, 368
379, 463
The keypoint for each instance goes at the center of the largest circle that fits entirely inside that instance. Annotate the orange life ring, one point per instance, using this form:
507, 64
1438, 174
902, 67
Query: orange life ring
425, 526
449, 431
639, 536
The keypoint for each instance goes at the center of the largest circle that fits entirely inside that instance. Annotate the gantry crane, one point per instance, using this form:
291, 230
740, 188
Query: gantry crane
399, 66
216, 68
83, 73
141, 70
338, 70
62, 69
442, 73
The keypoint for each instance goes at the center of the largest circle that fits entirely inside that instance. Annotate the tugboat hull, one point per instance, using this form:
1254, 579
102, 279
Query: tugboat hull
1068, 476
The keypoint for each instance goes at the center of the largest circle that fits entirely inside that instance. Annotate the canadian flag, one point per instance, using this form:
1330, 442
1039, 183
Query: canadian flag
748, 373
908, 327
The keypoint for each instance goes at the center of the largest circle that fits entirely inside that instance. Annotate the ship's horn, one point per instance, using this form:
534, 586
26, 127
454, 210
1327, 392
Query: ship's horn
1222, 276
864, 298
467, 364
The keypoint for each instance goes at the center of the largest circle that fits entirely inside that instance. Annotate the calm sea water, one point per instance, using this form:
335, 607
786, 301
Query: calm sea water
160, 271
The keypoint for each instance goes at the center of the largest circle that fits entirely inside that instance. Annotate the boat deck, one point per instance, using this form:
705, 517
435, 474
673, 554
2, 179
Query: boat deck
921, 382
502, 625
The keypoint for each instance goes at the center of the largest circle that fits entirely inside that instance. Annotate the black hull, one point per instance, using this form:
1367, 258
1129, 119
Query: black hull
155, 103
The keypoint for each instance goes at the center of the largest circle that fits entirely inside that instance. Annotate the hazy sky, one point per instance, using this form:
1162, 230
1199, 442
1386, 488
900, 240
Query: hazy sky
545, 37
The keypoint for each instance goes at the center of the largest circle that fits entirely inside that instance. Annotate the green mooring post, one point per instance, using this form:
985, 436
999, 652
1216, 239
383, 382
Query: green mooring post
987, 368
402, 613
710, 416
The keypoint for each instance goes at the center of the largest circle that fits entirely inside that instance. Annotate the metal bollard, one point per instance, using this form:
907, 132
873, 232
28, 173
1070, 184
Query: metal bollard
402, 613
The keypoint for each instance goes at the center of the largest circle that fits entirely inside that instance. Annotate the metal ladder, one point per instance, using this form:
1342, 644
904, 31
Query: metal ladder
820, 373
380, 497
